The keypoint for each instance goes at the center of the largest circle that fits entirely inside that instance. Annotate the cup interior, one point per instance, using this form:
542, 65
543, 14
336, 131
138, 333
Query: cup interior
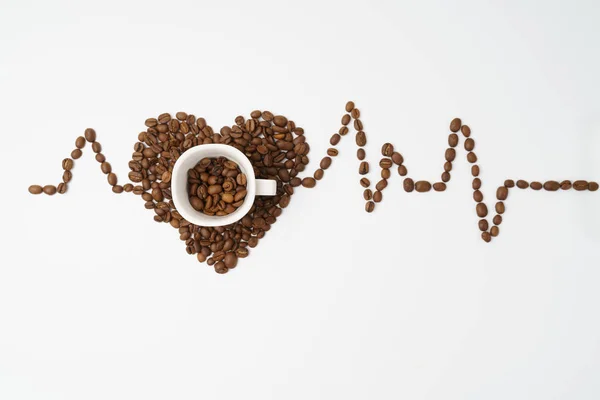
179, 189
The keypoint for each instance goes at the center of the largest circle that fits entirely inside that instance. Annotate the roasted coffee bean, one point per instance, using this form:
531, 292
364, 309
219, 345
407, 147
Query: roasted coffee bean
551, 186
349, 106
67, 176
368, 194
592, 186
580, 185
355, 113
49, 190
335, 139
35, 189
361, 138
471, 157
325, 162
453, 140
80, 142
422, 186
397, 158
100, 158
535, 185
318, 175
117, 189
386, 173
96, 147
377, 196
106, 168
67, 164
500, 208
76, 154
509, 183
486, 237
280, 120
382, 184
439, 186
466, 131
369, 206
90, 135
309, 182
521, 184
112, 179
445, 176
469, 144
566, 185
387, 149
409, 185
502, 193
494, 231
360, 154
61, 188
402, 171
483, 225
358, 125
482, 210
363, 169
450, 154
478, 196
346, 119
497, 219
476, 183
364, 182
332, 152
475, 170
385, 163
455, 124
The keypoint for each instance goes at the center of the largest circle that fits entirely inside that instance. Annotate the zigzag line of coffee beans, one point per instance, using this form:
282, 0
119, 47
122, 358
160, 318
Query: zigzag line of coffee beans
275, 146
393, 158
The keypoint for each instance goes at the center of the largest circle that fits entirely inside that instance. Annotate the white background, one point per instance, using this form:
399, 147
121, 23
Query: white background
97, 301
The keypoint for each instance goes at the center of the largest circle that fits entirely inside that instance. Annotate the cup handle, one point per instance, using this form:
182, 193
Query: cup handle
266, 187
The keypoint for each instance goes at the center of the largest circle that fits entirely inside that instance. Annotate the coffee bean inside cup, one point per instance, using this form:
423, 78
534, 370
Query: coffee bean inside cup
216, 186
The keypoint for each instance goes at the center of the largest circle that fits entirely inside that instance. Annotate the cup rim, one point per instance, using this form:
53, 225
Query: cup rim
179, 191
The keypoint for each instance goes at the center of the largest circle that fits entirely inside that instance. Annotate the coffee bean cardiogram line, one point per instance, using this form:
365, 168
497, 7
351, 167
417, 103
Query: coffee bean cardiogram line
281, 156
391, 158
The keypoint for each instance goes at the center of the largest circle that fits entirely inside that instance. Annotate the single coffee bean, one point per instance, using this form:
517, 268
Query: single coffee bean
90, 135
230, 260
494, 231
360, 154
80, 142
386, 173
358, 125
128, 187
445, 176
318, 175
364, 182
422, 186
343, 131
325, 162
335, 139
309, 182
471, 157
453, 140
483, 225
439, 186
592, 186
355, 113
382, 184
112, 179
402, 171
361, 138
67, 164
475, 170
369, 206
447, 166
469, 144
67, 176
377, 196
478, 196
502, 193
535, 185
363, 169
551, 186
280, 120
521, 184
61, 188
117, 189
35, 189
49, 190
580, 185
106, 168
368, 194
509, 183
409, 185
397, 158
482, 210
500, 208
455, 124
349, 106
450, 154
96, 147
220, 268
387, 149
346, 119
100, 158
76, 154
476, 183
466, 131
486, 237
497, 219
385, 163
332, 152
566, 185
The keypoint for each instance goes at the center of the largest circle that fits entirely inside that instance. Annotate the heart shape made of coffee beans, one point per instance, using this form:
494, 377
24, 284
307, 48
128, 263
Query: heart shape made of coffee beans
277, 149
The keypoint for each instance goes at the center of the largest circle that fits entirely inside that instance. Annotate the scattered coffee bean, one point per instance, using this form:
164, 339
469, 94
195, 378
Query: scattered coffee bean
455, 125
521, 184
422, 186
318, 175
482, 210
502, 193
566, 185
551, 186
368, 194
387, 150
580, 185
35, 189
309, 182
439, 186
49, 190
409, 185
360, 154
76, 154
593, 186
369, 206
90, 135
377, 196
363, 168
397, 158
535, 185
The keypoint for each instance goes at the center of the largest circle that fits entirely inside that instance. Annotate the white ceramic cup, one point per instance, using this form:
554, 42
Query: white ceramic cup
189, 159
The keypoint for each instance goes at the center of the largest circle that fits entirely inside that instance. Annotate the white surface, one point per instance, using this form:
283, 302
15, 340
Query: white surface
407, 303
190, 158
